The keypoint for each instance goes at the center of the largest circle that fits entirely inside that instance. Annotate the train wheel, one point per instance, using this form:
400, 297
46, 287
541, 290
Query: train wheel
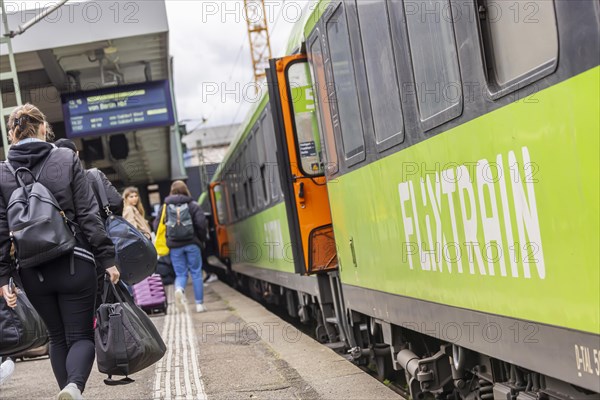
383, 363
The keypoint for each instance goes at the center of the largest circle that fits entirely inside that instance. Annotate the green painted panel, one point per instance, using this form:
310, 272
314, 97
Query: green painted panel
263, 240
520, 184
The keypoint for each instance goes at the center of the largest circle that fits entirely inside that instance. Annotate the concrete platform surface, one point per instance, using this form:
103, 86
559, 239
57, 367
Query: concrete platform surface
235, 350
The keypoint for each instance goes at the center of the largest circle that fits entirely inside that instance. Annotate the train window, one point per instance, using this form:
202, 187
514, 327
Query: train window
220, 205
305, 119
272, 170
252, 169
315, 56
520, 42
246, 195
345, 110
384, 89
235, 206
435, 61
262, 161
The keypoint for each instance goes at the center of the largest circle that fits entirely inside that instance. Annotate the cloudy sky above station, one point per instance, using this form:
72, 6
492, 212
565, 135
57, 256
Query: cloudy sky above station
209, 42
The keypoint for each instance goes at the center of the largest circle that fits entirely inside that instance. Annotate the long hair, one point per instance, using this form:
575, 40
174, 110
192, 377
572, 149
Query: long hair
25, 121
139, 206
179, 187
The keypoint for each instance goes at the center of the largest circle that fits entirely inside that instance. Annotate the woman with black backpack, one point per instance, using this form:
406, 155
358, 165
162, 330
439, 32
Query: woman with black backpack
56, 256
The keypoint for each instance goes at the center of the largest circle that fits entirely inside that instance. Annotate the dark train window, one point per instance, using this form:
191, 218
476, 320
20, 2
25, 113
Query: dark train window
235, 206
246, 197
252, 170
435, 61
345, 110
384, 89
262, 161
272, 170
520, 42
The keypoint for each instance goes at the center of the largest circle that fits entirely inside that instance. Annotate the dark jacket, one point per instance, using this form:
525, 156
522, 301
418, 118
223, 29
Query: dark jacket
198, 218
115, 201
64, 176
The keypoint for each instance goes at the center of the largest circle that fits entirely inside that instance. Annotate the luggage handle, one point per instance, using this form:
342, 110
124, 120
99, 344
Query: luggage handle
113, 288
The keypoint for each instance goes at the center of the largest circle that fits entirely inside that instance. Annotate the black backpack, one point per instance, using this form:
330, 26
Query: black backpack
39, 229
180, 226
135, 254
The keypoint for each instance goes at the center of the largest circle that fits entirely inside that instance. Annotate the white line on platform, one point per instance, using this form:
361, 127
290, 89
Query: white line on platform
178, 357
159, 369
178, 334
186, 364
200, 392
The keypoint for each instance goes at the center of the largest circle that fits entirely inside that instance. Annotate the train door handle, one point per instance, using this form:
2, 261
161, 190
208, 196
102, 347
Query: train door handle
353, 253
301, 194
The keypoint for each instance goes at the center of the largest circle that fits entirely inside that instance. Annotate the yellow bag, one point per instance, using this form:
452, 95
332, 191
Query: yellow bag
161, 235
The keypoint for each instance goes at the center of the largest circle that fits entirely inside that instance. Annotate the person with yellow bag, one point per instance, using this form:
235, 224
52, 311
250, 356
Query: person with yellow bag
184, 227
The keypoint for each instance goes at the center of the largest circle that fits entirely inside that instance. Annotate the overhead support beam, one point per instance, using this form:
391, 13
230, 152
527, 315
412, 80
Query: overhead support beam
55, 72
38, 18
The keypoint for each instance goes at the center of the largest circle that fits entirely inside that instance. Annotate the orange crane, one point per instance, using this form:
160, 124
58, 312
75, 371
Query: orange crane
258, 35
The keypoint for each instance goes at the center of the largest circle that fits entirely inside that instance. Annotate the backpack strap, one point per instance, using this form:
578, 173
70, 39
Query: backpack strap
101, 190
39, 173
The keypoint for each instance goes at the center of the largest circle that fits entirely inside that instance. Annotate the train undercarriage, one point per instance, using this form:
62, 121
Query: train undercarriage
417, 364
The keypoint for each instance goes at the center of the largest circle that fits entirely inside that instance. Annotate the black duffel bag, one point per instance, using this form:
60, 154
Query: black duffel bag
21, 328
135, 253
126, 339
165, 270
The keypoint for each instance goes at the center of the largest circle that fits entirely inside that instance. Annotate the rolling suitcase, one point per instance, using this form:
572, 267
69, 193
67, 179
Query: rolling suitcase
150, 295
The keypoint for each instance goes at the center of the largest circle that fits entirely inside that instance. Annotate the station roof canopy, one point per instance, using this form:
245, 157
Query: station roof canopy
89, 45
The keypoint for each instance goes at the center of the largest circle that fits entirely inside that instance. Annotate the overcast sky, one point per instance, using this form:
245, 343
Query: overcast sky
213, 68
209, 41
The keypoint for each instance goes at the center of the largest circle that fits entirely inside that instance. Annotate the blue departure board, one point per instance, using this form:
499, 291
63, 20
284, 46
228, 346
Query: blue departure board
118, 109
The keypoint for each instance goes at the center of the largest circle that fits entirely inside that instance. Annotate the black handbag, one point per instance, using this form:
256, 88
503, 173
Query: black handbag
135, 254
21, 328
126, 339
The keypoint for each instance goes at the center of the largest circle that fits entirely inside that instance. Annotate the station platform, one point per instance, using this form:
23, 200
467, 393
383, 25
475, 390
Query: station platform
235, 350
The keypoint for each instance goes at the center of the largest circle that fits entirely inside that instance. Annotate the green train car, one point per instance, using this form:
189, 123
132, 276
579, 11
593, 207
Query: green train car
421, 183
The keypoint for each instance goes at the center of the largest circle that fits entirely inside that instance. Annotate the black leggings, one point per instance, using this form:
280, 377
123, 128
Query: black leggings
65, 302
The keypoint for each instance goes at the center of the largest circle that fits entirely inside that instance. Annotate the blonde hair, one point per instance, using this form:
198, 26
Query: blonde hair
139, 206
179, 187
24, 122
49, 133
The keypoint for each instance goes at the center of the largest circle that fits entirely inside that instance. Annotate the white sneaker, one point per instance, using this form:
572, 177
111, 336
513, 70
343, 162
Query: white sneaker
200, 308
212, 278
70, 392
6, 370
180, 299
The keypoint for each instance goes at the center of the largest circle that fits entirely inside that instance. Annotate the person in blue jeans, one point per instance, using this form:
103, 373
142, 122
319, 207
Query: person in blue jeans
186, 231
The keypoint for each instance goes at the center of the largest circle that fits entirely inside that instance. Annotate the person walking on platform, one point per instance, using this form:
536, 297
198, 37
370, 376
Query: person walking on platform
186, 230
62, 289
115, 202
133, 211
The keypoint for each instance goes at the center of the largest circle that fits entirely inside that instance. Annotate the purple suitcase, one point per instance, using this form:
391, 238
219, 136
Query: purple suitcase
150, 295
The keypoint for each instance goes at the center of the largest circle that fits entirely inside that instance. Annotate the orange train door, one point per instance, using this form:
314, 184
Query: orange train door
299, 153
219, 211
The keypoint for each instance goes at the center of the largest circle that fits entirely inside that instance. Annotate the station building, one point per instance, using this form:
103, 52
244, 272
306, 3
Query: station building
102, 74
